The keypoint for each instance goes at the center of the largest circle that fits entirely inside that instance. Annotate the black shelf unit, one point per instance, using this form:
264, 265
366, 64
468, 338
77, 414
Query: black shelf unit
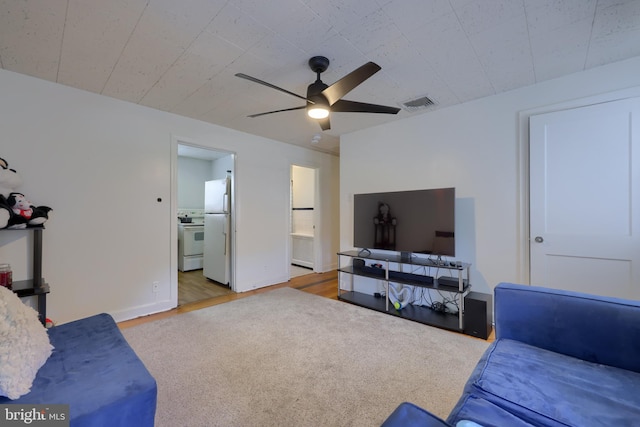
415, 313
449, 321
36, 286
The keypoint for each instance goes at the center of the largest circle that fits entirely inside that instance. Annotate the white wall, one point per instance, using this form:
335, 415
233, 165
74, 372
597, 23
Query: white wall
221, 167
102, 165
192, 174
475, 147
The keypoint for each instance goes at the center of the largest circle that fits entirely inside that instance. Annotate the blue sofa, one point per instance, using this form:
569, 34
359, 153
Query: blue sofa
94, 371
559, 359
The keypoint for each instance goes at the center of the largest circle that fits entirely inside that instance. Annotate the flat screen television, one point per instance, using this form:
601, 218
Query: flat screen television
416, 221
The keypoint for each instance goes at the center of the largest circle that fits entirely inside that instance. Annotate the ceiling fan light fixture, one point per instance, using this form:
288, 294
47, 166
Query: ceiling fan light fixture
322, 100
318, 112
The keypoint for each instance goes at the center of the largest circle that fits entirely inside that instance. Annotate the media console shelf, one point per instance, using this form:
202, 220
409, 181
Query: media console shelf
458, 285
36, 286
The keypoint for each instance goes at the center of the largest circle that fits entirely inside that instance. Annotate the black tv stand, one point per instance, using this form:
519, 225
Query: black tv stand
458, 285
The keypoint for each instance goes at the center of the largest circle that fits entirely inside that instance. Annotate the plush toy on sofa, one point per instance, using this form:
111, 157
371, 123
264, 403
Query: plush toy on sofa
15, 210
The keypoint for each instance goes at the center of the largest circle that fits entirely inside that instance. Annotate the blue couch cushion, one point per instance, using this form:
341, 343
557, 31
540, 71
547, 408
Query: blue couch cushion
547, 388
95, 371
484, 413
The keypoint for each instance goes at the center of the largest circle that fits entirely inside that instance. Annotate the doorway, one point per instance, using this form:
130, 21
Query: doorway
303, 203
196, 165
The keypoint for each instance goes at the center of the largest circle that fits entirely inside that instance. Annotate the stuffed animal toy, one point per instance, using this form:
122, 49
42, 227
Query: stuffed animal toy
24, 212
15, 210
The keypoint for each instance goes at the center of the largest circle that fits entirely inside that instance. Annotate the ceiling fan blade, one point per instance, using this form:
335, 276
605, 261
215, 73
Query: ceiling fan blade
325, 123
262, 82
344, 106
346, 84
277, 111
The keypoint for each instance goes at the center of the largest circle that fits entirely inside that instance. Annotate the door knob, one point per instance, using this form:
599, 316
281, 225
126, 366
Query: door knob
539, 239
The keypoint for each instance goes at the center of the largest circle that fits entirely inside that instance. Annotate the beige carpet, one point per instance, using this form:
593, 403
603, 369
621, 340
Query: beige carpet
289, 358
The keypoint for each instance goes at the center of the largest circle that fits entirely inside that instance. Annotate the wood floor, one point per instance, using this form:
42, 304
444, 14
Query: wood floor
193, 286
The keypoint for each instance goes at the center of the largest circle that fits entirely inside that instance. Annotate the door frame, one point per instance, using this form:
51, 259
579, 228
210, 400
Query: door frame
317, 224
179, 140
523, 268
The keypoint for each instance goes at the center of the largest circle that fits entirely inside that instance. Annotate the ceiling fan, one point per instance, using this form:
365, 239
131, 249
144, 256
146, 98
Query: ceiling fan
323, 99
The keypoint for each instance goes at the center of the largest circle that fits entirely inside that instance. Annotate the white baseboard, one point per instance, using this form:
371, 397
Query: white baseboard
143, 310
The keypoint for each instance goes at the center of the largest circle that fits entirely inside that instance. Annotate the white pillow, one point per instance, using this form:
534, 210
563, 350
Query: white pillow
24, 345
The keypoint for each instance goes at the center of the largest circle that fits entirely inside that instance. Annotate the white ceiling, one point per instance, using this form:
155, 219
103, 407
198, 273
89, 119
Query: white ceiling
181, 55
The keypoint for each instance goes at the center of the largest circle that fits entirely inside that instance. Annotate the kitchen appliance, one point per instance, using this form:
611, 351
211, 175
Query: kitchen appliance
217, 218
190, 240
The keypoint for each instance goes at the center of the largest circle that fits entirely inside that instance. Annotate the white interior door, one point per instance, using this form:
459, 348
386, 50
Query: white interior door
585, 199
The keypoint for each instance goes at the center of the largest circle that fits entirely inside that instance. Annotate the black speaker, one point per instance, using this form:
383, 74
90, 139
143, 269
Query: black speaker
358, 263
478, 314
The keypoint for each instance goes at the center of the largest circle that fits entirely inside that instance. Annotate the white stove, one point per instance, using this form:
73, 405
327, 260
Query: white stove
190, 240
195, 215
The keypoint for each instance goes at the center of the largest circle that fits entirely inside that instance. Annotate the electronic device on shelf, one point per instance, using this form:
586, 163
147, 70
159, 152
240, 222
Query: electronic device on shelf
415, 221
451, 283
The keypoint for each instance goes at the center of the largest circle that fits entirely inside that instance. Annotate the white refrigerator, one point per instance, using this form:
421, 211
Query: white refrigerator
217, 219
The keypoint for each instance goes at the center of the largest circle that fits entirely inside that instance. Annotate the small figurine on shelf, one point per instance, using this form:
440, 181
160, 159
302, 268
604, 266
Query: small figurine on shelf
15, 210
385, 228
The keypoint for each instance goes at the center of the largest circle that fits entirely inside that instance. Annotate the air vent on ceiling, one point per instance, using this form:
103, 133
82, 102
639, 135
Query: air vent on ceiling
418, 104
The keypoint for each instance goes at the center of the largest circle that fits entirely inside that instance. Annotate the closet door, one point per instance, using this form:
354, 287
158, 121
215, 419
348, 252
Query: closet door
585, 199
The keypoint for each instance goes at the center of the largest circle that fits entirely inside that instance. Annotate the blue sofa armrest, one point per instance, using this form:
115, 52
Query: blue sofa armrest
590, 327
94, 371
409, 415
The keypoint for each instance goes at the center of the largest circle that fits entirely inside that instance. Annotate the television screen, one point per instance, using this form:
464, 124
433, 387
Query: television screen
418, 221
